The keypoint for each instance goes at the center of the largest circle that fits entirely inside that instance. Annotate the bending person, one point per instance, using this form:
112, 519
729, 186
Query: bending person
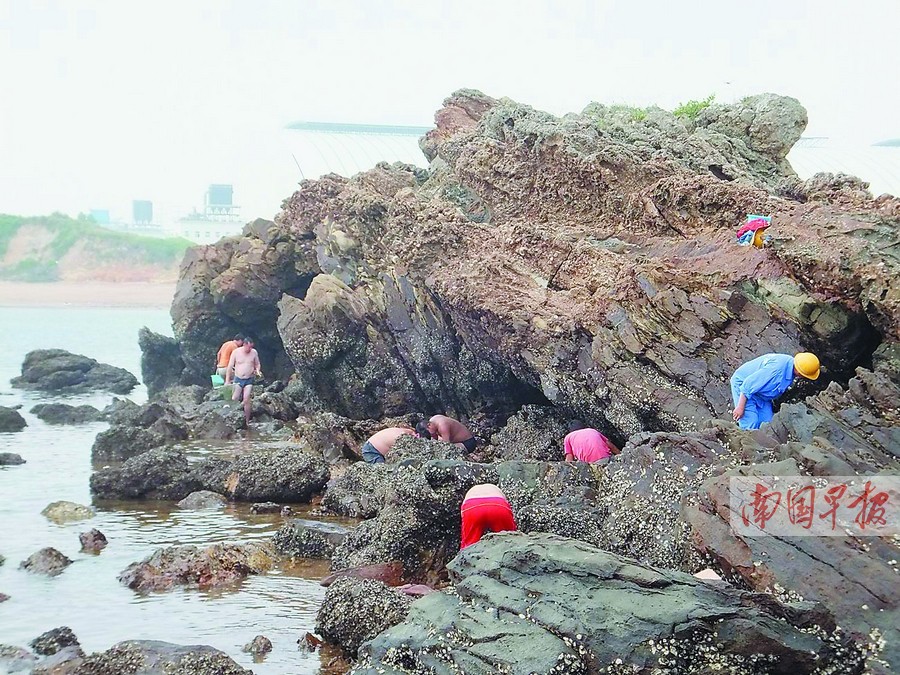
447, 429
759, 382
224, 354
244, 367
586, 444
485, 509
381, 442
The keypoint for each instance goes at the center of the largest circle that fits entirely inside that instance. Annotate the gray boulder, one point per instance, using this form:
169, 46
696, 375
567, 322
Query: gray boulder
535, 432
282, 474
152, 657
92, 541
356, 610
161, 473
11, 420
62, 413
61, 371
161, 362
47, 561
309, 538
10, 459
203, 499
258, 646
544, 604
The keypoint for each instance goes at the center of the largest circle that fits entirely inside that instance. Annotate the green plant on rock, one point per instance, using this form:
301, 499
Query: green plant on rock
692, 108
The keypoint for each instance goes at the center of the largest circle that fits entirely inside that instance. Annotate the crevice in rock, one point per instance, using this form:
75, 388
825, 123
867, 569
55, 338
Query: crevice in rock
300, 287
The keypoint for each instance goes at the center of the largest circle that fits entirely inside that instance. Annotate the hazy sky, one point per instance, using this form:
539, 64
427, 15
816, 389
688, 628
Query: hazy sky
104, 102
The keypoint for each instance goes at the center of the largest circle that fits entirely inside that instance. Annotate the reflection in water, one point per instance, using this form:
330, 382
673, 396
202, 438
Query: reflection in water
87, 596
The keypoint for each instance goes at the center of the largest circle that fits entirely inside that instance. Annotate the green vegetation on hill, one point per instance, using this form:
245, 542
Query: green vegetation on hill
103, 244
692, 108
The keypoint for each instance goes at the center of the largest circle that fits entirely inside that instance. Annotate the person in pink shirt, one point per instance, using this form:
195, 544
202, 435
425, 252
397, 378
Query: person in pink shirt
587, 445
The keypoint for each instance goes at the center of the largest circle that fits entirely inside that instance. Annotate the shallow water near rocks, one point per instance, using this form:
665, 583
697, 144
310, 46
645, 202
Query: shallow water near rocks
87, 596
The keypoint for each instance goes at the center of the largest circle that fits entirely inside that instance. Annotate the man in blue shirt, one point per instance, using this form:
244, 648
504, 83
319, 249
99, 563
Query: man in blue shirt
759, 382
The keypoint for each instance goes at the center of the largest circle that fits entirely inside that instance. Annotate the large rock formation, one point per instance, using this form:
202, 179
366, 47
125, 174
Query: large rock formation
60, 371
543, 604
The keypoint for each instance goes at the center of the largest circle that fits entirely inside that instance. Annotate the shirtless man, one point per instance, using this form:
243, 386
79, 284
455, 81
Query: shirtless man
243, 366
381, 442
443, 428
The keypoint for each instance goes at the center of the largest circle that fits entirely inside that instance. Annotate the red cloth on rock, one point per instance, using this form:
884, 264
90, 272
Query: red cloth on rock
485, 514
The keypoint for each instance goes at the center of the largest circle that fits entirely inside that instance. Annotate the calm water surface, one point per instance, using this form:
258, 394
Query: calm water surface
87, 596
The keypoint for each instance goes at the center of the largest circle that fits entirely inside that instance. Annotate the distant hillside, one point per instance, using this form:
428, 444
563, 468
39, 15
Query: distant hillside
60, 248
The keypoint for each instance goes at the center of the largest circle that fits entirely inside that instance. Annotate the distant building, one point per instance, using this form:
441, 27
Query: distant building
219, 218
142, 212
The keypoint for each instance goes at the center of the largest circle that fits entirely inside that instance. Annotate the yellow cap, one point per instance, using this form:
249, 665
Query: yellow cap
807, 364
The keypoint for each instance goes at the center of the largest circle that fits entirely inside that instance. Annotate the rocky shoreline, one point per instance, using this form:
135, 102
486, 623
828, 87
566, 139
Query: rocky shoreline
544, 268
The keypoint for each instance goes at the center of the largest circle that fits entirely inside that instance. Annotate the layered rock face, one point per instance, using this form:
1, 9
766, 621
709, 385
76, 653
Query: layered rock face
587, 261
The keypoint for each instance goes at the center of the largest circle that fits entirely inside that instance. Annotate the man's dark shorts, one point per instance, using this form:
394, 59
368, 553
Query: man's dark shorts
243, 381
469, 444
371, 455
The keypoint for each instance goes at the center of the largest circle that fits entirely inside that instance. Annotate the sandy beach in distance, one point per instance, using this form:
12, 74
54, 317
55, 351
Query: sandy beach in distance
86, 294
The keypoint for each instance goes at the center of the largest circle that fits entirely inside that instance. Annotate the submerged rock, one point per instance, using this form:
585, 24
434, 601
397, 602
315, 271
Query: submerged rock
47, 561
160, 658
62, 413
67, 512
258, 646
265, 507
67, 661
92, 541
16, 659
214, 565
60, 371
10, 459
203, 499
544, 604
356, 610
11, 420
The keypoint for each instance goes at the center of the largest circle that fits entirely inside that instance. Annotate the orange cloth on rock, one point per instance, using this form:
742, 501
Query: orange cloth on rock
485, 514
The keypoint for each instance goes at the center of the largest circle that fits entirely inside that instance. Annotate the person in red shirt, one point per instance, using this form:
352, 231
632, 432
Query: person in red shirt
587, 445
484, 509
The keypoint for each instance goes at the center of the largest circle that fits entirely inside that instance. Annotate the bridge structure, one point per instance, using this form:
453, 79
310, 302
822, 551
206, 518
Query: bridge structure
319, 148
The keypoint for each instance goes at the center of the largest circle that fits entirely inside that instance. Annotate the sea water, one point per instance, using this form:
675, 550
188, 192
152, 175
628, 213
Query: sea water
87, 597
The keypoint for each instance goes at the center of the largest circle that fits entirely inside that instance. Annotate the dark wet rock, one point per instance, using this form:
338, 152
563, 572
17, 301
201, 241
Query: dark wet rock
356, 610
855, 579
66, 661
535, 432
60, 371
234, 287
360, 491
419, 523
278, 475
11, 420
336, 437
276, 405
309, 538
265, 507
2, 560
92, 541
10, 459
161, 473
67, 512
3, 597
62, 413
52, 641
203, 499
258, 646
16, 659
184, 399
214, 565
544, 604
390, 573
122, 411
150, 426
161, 363
47, 561
152, 657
